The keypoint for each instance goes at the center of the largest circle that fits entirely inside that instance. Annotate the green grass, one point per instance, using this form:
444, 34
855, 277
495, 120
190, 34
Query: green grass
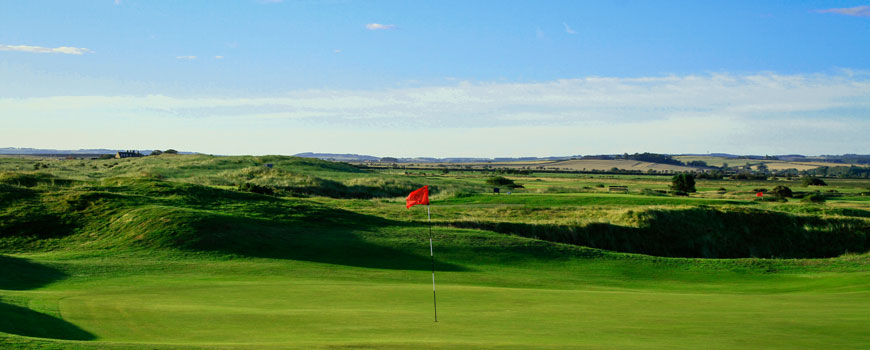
130, 260
610, 302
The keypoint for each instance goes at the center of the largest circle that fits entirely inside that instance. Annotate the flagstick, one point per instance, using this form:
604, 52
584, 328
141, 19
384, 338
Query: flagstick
432, 257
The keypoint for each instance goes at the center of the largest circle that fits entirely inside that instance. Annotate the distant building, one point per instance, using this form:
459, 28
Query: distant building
128, 154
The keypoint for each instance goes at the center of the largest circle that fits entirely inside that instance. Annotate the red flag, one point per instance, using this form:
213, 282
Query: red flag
759, 194
419, 196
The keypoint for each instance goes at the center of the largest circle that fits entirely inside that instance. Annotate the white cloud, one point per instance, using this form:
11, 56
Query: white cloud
336, 51
378, 26
39, 49
568, 29
754, 113
218, 57
186, 57
857, 11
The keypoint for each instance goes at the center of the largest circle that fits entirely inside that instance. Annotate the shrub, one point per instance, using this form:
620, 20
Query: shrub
156, 152
499, 181
781, 191
813, 181
816, 197
254, 188
683, 183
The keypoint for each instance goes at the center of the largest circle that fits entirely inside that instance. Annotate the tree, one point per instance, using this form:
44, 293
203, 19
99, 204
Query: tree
653, 158
170, 151
698, 163
156, 152
684, 183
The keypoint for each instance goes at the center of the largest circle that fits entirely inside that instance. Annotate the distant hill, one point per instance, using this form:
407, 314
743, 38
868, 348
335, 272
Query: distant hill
43, 151
347, 157
22, 151
723, 155
342, 157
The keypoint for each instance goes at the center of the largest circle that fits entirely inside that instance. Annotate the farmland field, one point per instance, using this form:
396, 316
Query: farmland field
593, 165
172, 252
771, 164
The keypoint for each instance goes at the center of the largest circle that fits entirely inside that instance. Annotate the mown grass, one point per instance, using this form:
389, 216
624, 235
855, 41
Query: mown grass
151, 255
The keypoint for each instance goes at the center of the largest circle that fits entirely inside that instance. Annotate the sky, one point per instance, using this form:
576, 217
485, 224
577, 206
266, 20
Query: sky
437, 78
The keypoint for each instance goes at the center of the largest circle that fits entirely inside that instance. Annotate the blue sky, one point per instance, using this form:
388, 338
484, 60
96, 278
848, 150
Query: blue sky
461, 78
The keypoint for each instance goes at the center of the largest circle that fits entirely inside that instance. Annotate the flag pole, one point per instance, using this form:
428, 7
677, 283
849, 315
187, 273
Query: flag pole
432, 257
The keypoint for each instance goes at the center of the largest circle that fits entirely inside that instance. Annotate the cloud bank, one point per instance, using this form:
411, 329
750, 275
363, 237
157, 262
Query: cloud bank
39, 49
757, 113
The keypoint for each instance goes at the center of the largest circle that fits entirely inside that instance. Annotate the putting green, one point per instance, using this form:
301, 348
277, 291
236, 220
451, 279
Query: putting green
264, 303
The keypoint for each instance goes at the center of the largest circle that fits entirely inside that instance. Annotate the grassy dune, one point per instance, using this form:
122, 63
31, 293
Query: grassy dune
168, 254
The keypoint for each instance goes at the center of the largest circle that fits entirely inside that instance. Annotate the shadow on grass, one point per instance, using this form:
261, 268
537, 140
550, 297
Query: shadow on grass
321, 243
294, 232
705, 233
21, 274
26, 322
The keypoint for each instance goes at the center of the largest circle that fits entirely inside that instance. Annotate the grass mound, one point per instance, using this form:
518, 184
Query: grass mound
31, 179
705, 232
289, 183
140, 213
201, 168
